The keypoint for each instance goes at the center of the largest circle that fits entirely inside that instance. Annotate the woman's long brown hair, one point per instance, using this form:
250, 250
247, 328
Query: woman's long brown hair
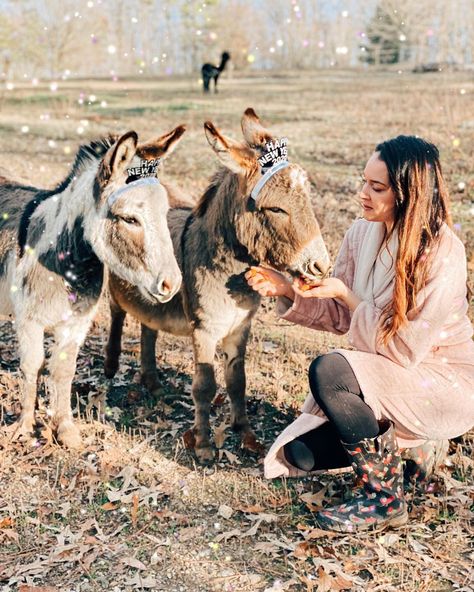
421, 207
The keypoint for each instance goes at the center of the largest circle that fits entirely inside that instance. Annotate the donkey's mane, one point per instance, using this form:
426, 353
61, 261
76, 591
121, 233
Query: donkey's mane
86, 154
223, 182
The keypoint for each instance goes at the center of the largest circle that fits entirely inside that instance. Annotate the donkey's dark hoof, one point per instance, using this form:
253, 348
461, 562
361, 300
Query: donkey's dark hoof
151, 382
110, 368
205, 455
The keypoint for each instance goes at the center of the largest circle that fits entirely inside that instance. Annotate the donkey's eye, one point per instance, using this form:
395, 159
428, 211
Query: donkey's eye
276, 210
129, 220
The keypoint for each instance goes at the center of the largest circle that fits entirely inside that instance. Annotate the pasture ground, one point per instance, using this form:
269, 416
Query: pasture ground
132, 511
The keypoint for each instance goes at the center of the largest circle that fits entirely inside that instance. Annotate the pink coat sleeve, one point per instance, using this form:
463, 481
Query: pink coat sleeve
439, 319
327, 314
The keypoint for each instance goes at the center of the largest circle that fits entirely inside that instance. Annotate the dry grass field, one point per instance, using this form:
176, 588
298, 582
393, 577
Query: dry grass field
132, 511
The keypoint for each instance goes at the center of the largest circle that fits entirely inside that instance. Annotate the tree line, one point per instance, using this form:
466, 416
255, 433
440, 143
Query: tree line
52, 38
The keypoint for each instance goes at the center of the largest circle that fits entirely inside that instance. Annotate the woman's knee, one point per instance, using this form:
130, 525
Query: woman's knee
329, 373
325, 367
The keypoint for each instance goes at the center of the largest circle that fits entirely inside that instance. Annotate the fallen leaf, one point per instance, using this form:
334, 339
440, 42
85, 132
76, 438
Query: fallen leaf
279, 586
9, 533
219, 400
224, 536
134, 510
225, 511
139, 582
232, 458
133, 562
26, 588
108, 506
255, 509
219, 434
6, 522
189, 533
314, 501
189, 439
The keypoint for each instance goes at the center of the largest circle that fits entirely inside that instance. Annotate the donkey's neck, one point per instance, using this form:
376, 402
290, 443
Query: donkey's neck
216, 214
59, 226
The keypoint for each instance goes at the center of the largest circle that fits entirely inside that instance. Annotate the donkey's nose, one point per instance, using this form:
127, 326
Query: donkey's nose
166, 287
319, 268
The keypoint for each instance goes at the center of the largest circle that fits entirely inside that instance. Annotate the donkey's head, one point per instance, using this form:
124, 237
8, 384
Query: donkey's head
272, 211
130, 232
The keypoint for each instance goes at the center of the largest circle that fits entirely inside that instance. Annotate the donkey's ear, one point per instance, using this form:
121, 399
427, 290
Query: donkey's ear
119, 156
255, 134
233, 155
162, 146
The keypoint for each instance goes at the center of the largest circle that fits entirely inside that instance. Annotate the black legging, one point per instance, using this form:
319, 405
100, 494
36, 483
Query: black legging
336, 390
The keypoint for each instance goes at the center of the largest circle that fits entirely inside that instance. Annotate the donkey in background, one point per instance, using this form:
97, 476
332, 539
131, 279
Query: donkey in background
215, 243
53, 249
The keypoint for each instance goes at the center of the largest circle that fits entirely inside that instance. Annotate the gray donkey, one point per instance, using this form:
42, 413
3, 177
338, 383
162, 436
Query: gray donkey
110, 211
229, 229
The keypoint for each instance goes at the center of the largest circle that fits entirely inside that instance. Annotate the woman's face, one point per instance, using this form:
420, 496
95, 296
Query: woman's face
376, 196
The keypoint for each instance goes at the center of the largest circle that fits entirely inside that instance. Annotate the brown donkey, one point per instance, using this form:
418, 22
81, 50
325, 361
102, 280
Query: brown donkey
110, 211
215, 243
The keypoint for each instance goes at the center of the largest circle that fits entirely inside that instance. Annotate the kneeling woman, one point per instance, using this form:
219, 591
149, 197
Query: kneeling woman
399, 290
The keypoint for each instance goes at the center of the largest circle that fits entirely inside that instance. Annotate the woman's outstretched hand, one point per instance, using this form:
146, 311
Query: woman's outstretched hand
328, 288
268, 282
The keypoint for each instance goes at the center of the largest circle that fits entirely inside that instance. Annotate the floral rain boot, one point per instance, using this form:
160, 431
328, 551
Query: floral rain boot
422, 461
379, 503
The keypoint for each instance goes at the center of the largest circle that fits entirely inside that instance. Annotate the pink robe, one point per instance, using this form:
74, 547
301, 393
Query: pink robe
423, 379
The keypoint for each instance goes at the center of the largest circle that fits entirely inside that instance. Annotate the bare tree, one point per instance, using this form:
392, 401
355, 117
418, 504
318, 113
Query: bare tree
130, 37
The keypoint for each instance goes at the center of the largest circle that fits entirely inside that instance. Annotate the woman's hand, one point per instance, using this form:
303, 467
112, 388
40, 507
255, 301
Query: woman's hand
268, 282
327, 288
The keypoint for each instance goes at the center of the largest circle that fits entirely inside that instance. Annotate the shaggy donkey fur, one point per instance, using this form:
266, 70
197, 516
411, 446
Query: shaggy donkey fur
53, 248
215, 243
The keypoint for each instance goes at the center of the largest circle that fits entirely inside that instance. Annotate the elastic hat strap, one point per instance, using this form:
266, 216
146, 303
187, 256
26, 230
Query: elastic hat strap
266, 177
144, 181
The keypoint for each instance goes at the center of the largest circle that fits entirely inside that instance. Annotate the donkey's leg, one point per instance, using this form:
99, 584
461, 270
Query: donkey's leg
203, 392
62, 367
234, 346
30, 339
148, 359
114, 344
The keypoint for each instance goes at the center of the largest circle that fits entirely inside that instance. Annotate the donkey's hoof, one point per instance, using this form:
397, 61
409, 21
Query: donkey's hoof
151, 382
205, 454
22, 430
250, 442
68, 435
110, 368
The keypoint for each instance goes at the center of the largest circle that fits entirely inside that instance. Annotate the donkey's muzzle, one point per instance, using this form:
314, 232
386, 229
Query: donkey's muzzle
317, 269
165, 288
314, 262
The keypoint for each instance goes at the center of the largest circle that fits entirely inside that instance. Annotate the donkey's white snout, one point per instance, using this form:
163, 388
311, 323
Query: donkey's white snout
318, 268
166, 288
315, 262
